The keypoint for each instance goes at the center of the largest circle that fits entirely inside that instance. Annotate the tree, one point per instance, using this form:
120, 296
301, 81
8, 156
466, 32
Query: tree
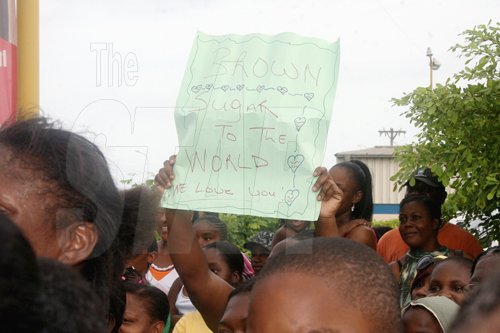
243, 227
459, 125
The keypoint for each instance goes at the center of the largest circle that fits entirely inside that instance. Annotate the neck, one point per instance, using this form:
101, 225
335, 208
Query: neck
344, 218
431, 245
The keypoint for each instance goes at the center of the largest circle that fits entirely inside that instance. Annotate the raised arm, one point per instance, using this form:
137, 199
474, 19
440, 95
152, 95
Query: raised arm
207, 291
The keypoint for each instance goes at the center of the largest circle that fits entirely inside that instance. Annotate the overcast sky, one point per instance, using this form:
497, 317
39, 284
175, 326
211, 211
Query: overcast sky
112, 69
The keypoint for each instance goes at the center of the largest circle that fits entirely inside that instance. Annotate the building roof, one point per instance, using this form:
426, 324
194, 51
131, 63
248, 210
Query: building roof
374, 152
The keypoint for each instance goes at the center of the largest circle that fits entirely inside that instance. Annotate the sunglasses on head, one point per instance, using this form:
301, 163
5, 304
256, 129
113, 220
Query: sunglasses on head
428, 260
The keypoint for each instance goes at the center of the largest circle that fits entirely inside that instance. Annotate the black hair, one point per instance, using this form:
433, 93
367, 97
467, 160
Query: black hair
117, 304
69, 303
76, 176
363, 179
432, 207
139, 220
481, 305
438, 194
197, 214
155, 301
215, 222
462, 261
352, 271
495, 250
245, 287
20, 281
231, 255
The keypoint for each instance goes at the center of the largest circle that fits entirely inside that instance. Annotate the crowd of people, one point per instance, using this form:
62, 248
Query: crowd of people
78, 255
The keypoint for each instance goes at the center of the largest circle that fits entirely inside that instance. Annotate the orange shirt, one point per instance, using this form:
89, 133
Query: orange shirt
392, 247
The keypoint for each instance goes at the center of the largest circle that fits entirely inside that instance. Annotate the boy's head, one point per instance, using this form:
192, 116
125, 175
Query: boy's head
480, 311
260, 247
294, 286
450, 277
485, 266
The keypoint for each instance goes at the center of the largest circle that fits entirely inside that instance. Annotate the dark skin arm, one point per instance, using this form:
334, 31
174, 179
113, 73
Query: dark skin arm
207, 291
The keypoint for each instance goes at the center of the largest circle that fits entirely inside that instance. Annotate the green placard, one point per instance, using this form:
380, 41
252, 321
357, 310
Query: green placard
252, 118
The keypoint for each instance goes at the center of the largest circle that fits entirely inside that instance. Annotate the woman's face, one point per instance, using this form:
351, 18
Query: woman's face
418, 229
351, 194
26, 200
217, 265
206, 233
449, 279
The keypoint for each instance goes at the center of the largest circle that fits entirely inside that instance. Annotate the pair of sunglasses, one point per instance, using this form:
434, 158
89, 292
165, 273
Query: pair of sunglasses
428, 260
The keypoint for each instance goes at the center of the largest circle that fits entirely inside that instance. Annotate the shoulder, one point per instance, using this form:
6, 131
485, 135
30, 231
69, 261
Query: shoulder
453, 236
453, 230
361, 232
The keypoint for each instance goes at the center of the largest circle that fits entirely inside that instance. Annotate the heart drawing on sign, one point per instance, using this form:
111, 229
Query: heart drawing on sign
294, 161
240, 87
282, 90
299, 122
260, 87
196, 89
290, 196
309, 96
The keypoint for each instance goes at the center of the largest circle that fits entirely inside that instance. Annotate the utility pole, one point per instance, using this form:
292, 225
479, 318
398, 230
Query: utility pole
434, 64
391, 134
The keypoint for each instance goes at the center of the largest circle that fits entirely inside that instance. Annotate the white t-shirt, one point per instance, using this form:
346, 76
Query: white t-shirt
161, 277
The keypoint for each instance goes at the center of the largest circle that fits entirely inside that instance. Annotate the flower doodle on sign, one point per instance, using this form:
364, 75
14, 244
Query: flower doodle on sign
294, 161
290, 196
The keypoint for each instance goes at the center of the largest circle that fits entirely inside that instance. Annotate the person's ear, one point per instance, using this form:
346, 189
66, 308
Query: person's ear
357, 197
158, 327
77, 242
152, 256
235, 278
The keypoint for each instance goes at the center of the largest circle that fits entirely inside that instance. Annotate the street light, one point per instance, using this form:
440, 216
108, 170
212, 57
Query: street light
434, 64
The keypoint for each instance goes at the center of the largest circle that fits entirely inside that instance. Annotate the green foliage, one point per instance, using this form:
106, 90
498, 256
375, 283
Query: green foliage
129, 182
242, 227
459, 135
394, 223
